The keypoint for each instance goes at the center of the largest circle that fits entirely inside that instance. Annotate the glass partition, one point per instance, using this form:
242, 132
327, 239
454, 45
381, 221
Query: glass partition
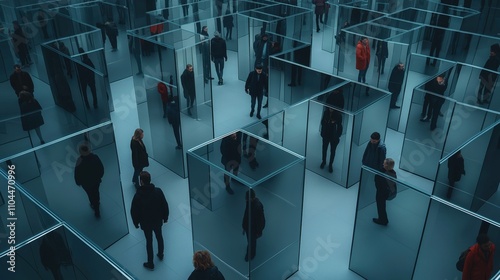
6, 57
467, 177
449, 230
48, 170
398, 240
62, 254
276, 176
179, 116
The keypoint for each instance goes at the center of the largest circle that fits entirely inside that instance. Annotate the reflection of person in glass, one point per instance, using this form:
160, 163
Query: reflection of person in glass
139, 155
395, 83
163, 91
331, 130
255, 85
31, 114
88, 174
174, 119
67, 60
230, 149
456, 169
86, 78
382, 185
487, 78
375, 152
187, 81
150, 210
437, 86
112, 33
228, 23
20, 80
319, 10
54, 253
20, 43
479, 261
185, 7
362, 58
204, 267
253, 223
218, 53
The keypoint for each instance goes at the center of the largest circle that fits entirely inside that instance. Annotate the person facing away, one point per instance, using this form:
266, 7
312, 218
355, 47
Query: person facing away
382, 186
218, 52
89, 171
253, 223
204, 268
487, 78
331, 130
456, 169
230, 149
31, 114
395, 83
150, 211
479, 261
255, 85
375, 152
139, 155
20, 80
188, 86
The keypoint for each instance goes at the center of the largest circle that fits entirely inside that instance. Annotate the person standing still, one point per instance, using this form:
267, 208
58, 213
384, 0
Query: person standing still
363, 59
21, 81
187, 81
88, 174
382, 186
479, 261
139, 155
331, 130
319, 10
375, 152
395, 83
150, 211
255, 85
218, 53
253, 223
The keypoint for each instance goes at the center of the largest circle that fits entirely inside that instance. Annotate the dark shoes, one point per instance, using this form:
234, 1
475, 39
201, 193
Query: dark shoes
254, 164
425, 119
251, 113
229, 190
178, 147
160, 256
246, 257
322, 165
380, 222
265, 106
149, 266
330, 168
259, 117
395, 107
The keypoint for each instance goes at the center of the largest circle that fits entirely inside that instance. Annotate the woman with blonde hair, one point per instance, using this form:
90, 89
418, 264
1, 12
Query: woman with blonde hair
139, 155
204, 268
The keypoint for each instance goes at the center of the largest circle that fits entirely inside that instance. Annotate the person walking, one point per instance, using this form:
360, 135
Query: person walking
204, 267
382, 186
139, 155
218, 54
89, 171
253, 223
188, 85
255, 85
150, 211
331, 130
395, 83
319, 10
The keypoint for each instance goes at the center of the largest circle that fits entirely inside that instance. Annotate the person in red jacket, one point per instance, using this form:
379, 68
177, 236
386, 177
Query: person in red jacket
163, 91
362, 58
479, 261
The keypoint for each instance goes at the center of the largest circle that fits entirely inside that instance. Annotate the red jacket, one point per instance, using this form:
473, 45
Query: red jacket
476, 266
163, 91
362, 56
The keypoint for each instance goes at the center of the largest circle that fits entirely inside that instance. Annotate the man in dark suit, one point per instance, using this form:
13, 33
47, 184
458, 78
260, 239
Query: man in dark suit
253, 223
20, 80
395, 83
150, 210
255, 85
88, 174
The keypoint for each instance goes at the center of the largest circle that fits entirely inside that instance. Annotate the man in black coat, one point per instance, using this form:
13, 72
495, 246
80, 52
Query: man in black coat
87, 78
395, 83
434, 102
230, 149
218, 52
487, 78
255, 85
253, 223
88, 174
150, 210
331, 130
20, 80
382, 185
187, 81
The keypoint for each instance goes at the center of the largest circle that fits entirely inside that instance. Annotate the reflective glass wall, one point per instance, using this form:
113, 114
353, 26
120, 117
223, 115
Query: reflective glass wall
47, 171
218, 217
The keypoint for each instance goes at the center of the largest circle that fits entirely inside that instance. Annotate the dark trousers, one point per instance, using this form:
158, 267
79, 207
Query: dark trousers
176, 128
426, 110
231, 165
394, 98
91, 84
93, 194
296, 75
219, 67
362, 75
380, 198
435, 108
484, 90
251, 245
319, 18
435, 49
190, 102
114, 42
185, 10
381, 64
135, 177
333, 146
56, 272
148, 233
257, 97
164, 104
229, 33
23, 53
